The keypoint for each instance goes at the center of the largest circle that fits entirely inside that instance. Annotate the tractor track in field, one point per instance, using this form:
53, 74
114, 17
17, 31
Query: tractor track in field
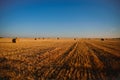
108, 46
54, 68
111, 63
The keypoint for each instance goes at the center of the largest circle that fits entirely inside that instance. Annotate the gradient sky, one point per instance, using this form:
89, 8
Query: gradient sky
63, 18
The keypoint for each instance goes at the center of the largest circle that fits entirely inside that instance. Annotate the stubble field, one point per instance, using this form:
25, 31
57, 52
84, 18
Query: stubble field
63, 59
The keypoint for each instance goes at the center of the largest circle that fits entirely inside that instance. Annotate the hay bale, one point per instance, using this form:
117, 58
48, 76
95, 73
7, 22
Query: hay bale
15, 40
35, 39
74, 38
58, 38
102, 39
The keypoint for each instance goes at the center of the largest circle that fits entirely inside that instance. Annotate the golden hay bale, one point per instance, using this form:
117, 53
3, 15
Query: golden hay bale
58, 38
102, 39
15, 40
35, 38
74, 38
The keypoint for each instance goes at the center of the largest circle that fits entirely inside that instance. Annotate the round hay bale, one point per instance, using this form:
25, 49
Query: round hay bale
35, 39
58, 38
74, 38
102, 39
15, 40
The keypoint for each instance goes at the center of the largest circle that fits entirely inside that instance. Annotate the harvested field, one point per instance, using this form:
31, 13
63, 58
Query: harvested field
63, 59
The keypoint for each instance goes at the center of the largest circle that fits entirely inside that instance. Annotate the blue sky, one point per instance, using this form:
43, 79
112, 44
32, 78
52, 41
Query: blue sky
63, 18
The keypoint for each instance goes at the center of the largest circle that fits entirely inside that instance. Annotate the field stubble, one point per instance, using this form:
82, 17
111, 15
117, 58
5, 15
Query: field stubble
60, 60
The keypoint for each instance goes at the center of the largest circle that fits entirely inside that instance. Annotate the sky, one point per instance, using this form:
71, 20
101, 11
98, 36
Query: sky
60, 18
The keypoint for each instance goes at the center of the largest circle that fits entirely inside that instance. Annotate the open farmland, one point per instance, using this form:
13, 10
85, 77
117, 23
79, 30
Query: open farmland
64, 59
